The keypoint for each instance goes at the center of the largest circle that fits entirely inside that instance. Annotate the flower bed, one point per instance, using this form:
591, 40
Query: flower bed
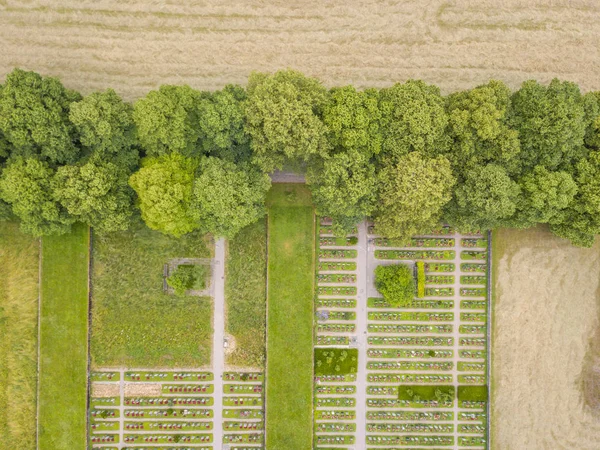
348, 378
332, 340
408, 378
473, 255
410, 440
415, 242
336, 328
480, 342
473, 304
335, 266
243, 376
243, 413
473, 267
382, 390
168, 376
337, 254
387, 328
104, 425
413, 416
439, 279
242, 401
337, 390
395, 403
470, 367
335, 415
104, 401
158, 426
471, 279
166, 438
471, 428
439, 292
242, 388
187, 388
168, 401
255, 438
104, 413
411, 316
408, 354
336, 290
471, 379
338, 241
409, 365
336, 439
473, 292
105, 376
410, 340
336, 278
473, 317
439, 267
102, 438
242, 426
378, 302
474, 416
335, 427
474, 441
336, 303
474, 243
473, 354
415, 254
409, 428
335, 402
152, 413
472, 329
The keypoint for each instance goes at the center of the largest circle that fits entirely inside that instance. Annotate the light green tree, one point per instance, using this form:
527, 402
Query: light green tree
396, 283
164, 188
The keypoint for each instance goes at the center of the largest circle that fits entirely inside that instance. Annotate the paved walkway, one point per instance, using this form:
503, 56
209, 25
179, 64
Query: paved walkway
218, 363
362, 280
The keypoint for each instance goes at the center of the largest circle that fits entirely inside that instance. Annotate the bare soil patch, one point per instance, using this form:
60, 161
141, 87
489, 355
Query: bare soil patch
142, 390
105, 390
137, 45
546, 311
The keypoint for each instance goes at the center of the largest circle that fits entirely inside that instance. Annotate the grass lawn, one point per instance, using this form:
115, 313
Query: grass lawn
245, 294
63, 341
134, 323
19, 268
291, 246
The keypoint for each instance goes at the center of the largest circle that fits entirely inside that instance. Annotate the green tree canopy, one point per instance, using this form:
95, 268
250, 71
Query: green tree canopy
352, 118
396, 283
97, 194
28, 185
413, 118
581, 221
283, 114
478, 126
164, 186
592, 111
34, 117
486, 199
226, 197
222, 124
104, 122
344, 188
167, 120
412, 193
544, 197
550, 122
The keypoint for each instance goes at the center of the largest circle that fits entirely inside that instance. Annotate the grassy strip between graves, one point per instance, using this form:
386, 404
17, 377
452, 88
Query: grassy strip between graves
245, 294
291, 246
19, 268
63, 340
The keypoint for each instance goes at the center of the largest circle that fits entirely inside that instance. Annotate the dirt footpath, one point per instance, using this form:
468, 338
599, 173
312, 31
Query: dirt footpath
547, 306
136, 45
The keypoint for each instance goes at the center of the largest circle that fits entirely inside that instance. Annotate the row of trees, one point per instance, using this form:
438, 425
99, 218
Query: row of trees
405, 155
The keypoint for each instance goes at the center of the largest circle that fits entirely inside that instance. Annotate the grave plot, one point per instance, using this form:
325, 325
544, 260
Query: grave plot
335, 358
426, 368
144, 409
243, 410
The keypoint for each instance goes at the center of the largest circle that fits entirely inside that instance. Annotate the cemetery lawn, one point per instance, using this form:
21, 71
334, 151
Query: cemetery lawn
136, 324
245, 295
63, 341
19, 268
291, 247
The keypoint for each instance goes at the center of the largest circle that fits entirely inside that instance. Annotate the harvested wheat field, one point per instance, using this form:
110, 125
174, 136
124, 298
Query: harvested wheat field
135, 46
546, 313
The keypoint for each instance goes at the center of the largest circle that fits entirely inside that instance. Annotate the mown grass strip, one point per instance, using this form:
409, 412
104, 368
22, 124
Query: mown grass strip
291, 247
63, 341
19, 269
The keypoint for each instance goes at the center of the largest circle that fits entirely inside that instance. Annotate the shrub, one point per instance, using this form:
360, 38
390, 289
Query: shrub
415, 393
182, 279
336, 361
396, 283
420, 279
473, 393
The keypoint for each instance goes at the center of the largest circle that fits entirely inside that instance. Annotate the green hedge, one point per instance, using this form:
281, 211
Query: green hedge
420, 279
473, 393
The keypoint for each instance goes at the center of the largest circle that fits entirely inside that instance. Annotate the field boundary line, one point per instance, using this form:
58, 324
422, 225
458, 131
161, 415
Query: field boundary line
489, 342
266, 323
89, 336
37, 396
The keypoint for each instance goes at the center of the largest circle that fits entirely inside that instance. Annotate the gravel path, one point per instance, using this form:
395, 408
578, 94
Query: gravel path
362, 278
218, 283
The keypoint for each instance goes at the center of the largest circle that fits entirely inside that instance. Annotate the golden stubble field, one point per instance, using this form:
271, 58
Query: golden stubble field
136, 45
546, 313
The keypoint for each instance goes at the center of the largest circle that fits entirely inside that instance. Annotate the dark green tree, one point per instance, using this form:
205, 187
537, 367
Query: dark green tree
283, 114
226, 197
487, 198
479, 130
412, 193
413, 118
167, 121
222, 124
28, 185
164, 188
34, 117
551, 124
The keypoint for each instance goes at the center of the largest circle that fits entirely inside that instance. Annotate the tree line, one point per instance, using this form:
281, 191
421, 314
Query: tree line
407, 156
